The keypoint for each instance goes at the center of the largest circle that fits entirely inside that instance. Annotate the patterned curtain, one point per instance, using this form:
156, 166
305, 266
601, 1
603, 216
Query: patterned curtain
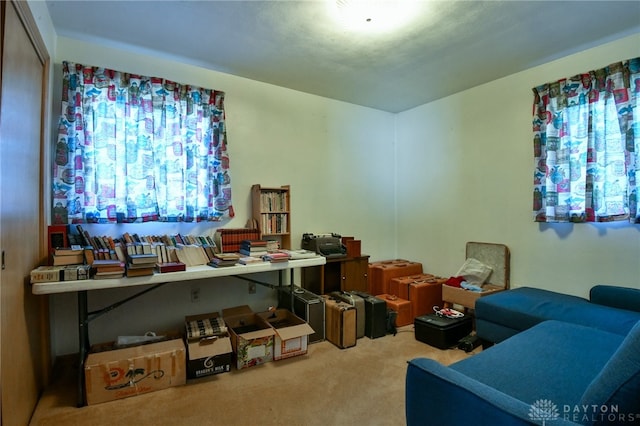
134, 148
586, 139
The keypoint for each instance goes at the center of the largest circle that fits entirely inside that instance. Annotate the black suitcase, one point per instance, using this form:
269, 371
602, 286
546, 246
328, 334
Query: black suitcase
357, 302
442, 332
308, 306
375, 315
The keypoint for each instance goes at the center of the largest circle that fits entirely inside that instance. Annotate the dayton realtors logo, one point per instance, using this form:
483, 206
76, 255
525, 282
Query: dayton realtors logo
545, 410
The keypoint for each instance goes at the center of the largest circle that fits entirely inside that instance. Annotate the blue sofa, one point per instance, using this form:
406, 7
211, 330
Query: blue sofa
552, 372
504, 314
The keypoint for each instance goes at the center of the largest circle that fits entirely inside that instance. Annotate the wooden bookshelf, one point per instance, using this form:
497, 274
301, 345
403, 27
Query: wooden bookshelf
272, 213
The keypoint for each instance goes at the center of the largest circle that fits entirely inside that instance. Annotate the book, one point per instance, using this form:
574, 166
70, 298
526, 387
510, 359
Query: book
300, 254
69, 259
150, 258
253, 252
139, 272
224, 259
47, 274
170, 267
108, 275
76, 272
247, 260
106, 262
107, 267
192, 255
67, 251
278, 256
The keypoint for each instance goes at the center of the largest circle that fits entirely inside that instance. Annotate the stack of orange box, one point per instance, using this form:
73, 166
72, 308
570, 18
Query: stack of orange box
380, 276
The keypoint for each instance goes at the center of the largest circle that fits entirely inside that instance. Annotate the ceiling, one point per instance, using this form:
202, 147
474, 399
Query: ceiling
447, 46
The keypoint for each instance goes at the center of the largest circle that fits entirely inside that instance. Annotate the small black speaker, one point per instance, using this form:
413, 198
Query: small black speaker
469, 343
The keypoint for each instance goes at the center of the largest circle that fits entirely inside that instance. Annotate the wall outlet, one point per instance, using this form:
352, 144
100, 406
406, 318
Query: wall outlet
195, 295
252, 288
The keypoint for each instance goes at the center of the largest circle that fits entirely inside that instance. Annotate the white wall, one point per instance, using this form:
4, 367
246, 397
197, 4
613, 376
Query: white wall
464, 173
337, 157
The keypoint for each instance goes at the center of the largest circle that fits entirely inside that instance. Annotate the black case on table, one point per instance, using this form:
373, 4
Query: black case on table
308, 306
442, 332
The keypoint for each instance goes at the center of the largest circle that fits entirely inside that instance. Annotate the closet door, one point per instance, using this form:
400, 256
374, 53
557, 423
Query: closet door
22, 315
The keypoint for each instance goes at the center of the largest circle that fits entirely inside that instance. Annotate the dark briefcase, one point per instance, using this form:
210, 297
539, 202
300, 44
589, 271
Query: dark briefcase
442, 332
308, 306
375, 315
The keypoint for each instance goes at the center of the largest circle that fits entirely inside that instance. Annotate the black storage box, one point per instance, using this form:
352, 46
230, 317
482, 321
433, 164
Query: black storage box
442, 332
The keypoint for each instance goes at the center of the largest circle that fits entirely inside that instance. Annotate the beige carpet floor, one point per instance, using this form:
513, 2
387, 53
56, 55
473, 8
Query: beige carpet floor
327, 386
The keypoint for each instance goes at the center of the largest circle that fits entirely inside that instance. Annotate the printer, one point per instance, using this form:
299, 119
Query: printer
327, 245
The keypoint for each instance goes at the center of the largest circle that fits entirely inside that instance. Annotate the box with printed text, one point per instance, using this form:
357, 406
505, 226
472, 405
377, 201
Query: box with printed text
292, 333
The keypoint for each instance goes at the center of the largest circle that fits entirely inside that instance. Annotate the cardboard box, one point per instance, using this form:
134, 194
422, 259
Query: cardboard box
121, 373
466, 298
252, 338
209, 352
292, 333
497, 256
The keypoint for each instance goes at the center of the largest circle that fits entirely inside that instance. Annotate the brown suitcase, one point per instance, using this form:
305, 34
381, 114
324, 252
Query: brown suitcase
340, 323
401, 306
424, 295
399, 286
381, 273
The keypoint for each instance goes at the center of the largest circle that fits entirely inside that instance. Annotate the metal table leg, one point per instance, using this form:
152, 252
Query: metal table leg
83, 338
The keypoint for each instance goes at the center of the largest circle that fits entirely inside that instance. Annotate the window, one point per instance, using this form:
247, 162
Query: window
132, 148
586, 146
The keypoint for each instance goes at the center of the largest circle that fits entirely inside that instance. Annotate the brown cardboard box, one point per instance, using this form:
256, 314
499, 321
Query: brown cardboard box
292, 333
252, 338
208, 354
497, 256
466, 298
120, 373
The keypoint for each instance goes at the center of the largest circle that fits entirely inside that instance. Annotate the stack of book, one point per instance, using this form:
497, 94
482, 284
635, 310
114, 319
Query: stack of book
107, 268
300, 254
67, 256
254, 248
229, 240
141, 264
224, 259
276, 256
167, 259
247, 260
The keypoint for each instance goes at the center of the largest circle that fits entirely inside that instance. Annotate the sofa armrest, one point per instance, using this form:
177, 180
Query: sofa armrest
440, 395
616, 297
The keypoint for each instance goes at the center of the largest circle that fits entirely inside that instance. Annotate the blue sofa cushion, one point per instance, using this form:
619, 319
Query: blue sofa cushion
524, 307
553, 361
618, 384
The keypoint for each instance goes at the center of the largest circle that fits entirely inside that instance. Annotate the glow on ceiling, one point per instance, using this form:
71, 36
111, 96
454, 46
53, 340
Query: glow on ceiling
373, 16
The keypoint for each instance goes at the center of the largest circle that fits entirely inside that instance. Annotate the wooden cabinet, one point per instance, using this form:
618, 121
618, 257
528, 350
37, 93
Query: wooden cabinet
24, 346
271, 213
345, 273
